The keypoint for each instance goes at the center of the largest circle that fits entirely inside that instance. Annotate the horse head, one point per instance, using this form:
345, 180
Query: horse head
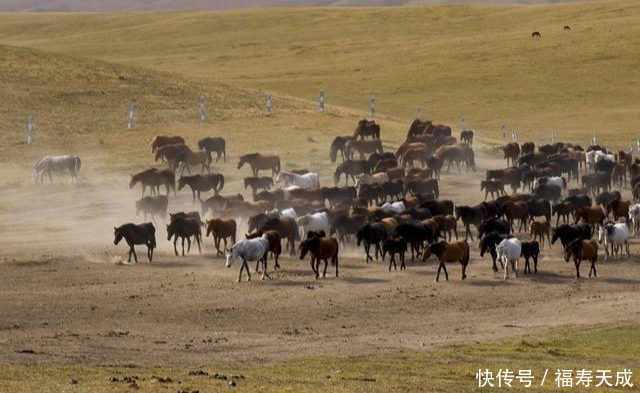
117, 235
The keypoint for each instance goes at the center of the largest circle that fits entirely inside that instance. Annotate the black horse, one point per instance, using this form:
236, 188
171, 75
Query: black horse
372, 234
217, 145
137, 234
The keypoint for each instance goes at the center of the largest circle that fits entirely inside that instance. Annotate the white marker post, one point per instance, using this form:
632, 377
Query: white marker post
504, 132
594, 140
322, 103
269, 109
29, 130
202, 102
419, 113
132, 110
461, 124
541, 141
373, 108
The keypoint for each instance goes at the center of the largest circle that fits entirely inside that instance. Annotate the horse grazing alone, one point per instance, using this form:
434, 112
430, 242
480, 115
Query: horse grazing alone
221, 229
457, 251
258, 163
249, 250
163, 140
154, 178
185, 228
321, 249
136, 234
582, 249
49, 164
217, 145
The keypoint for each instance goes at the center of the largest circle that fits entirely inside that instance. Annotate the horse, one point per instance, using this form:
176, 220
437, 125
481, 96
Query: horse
614, 235
136, 234
314, 222
493, 187
217, 203
338, 145
351, 168
378, 178
511, 153
287, 228
582, 249
566, 28
190, 158
153, 205
154, 178
530, 250
367, 128
470, 216
508, 252
457, 251
258, 183
308, 180
564, 210
211, 145
446, 225
363, 147
49, 164
456, 154
321, 248
202, 183
392, 247
163, 140
540, 229
536, 34
489, 243
221, 229
634, 217
371, 234
275, 245
171, 154
259, 162
185, 228
593, 216
466, 136
250, 250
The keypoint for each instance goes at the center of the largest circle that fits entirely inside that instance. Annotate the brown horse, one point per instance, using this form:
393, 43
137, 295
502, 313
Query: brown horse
457, 251
540, 229
511, 153
363, 147
258, 183
275, 245
446, 225
466, 136
184, 228
190, 158
202, 183
217, 203
221, 229
593, 216
136, 234
154, 178
367, 128
582, 249
414, 154
437, 130
244, 209
321, 248
163, 140
287, 227
217, 145
153, 206
457, 154
337, 146
516, 211
171, 154
259, 162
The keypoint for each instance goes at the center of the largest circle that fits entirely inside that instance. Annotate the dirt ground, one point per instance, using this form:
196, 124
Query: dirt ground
64, 300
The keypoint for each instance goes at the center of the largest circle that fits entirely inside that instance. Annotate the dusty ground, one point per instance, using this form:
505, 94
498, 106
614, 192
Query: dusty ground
64, 301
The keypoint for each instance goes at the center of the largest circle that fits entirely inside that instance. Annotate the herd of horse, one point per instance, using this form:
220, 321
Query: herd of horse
392, 205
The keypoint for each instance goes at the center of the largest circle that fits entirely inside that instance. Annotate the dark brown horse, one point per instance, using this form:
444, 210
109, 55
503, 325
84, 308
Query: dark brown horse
221, 229
321, 248
202, 183
287, 228
582, 249
184, 228
171, 154
136, 234
154, 178
367, 128
258, 183
259, 162
217, 203
466, 136
163, 140
338, 146
217, 145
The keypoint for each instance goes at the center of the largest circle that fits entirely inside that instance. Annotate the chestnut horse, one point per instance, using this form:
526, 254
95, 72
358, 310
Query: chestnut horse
259, 162
457, 251
321, 248
221, 229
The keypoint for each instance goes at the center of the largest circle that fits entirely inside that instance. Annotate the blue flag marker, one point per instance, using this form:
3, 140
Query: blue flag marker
322, 104
132, 110
373, 108
202, 101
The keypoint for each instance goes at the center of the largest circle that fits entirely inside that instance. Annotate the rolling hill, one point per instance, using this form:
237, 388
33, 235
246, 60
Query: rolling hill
479, 62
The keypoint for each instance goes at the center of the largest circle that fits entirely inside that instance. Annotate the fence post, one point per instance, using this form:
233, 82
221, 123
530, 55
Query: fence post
132, 110
29, 129
504, 132
373, 108
269, 109
322, 103
202, 102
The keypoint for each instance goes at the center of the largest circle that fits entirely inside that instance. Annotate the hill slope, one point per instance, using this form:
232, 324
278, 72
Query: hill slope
473, 61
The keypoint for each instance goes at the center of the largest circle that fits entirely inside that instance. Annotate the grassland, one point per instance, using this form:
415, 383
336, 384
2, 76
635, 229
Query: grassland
473, 61
452, 369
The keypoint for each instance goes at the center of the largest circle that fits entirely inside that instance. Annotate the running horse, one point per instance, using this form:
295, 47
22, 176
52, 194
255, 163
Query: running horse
259, 162
49, 164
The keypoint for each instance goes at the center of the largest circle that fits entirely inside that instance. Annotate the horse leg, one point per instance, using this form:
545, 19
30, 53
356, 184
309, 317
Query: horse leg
326, 263
576, 262
313, 267
199, 246
367, 247
446, 273
390, 261
257, 264
438, 273
175, 248
506, 269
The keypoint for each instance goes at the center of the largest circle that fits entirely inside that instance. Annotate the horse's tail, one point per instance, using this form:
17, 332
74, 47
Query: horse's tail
78, 164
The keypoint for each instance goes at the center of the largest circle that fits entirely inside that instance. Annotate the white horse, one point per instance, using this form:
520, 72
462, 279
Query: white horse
290, 212
308, 180
395, 207
314, 222
508, 252
557, 181
634, 216
49, 164
614, 235
250, 250
378, 178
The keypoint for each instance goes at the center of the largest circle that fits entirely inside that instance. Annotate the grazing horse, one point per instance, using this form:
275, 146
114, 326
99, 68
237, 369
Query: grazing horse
258, 183
163, 140
351, 168
530, 250
508, 252
154, 178
367, 128
308, 180
184, 228
217, 145
457, 251
466, 136
250, 250
338, 145
153, 206
582, 249
392, 247
275, 245
202, 183
363, 147
136, 234
371, 234
49, 164
536, 34
540, 229
259, 162
616, 236
221, 229
321, 248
